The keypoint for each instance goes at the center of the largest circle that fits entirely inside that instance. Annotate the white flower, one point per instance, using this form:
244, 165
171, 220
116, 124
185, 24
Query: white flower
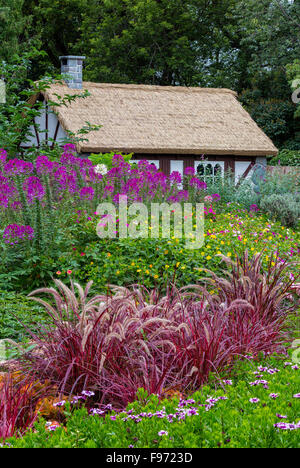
101, 169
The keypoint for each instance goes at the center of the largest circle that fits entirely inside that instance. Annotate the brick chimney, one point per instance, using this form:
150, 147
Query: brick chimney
71, 65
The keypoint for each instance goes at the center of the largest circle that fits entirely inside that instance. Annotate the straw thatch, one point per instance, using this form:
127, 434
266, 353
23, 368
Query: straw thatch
163, 119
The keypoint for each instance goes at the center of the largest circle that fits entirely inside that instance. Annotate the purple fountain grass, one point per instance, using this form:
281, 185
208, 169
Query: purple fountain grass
19, 397
115, 344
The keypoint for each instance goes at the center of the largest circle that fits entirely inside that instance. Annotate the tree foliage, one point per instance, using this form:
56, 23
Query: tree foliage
249, 46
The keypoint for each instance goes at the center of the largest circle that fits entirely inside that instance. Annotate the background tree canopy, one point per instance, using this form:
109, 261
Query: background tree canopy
246, 45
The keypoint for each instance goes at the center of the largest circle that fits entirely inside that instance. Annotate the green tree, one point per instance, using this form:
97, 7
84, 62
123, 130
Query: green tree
270, 40
13, 25
57, 24
166, 42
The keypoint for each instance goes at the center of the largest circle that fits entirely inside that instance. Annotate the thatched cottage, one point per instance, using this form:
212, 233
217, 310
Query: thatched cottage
172, 127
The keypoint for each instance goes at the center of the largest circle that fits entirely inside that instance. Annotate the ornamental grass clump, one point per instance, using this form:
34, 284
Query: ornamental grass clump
19, 397
267, 288
116, 343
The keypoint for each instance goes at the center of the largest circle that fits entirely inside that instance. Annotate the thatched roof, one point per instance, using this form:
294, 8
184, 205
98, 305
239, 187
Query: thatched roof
163, 119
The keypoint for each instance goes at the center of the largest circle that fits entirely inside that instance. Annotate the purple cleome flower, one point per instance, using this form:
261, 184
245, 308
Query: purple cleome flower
18, 167
189, 171
199, 184
175, 177
87, 193
34, 189
43, 165
14, 233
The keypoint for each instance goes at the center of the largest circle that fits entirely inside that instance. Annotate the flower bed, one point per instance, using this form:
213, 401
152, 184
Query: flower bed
155, 262
97, 351
48, 225
258, 408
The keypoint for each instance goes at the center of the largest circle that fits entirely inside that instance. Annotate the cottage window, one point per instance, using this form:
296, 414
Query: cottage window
209, 171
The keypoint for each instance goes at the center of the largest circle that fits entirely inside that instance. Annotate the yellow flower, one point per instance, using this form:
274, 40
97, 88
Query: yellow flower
118, 272
208, 257
167, 266
229, 254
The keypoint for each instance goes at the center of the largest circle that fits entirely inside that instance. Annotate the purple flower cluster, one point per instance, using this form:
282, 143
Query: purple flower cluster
185, 409
33, 189
14, 233
77, 180
18, 167
87, 193
197, 183
287, 426
43, 165
259, 382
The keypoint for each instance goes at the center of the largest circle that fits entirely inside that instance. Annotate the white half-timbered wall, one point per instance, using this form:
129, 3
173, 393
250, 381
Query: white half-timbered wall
45, 126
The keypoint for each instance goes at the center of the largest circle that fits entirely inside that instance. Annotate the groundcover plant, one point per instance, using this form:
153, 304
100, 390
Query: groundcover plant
257, 407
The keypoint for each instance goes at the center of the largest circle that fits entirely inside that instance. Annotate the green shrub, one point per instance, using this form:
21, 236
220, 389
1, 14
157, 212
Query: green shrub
14, 309
224, 186
286, 157
284, 208
107, 158
232, 422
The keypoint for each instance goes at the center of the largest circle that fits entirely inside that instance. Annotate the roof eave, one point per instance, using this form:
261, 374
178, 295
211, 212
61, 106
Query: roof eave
230, 152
